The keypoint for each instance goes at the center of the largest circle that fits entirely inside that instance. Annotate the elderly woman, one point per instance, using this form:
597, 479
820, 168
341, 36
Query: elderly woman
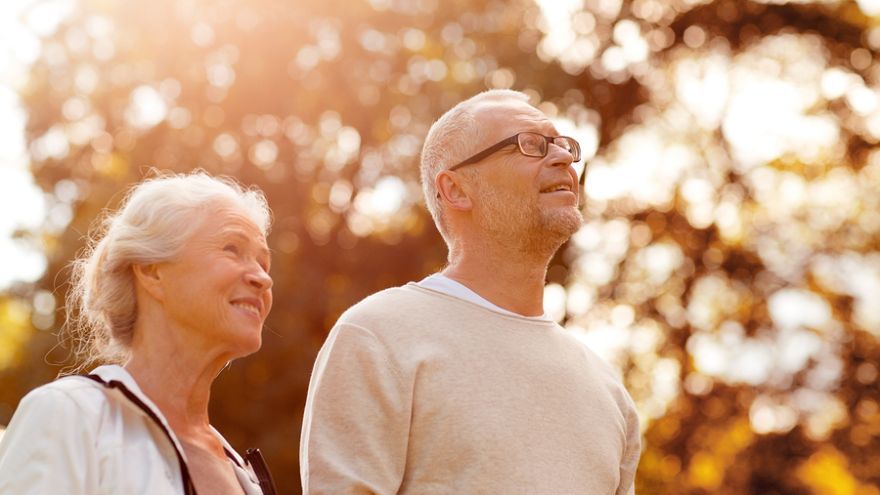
175, 288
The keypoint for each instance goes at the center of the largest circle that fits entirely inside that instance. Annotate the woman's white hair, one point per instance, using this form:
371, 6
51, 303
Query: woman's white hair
451, 139
152, 224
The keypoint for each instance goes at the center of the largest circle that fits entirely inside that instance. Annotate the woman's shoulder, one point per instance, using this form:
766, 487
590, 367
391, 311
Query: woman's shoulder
71, 394
61, 428
65, 410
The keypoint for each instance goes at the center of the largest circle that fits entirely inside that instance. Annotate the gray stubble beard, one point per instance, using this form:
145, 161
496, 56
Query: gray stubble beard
532, 231
557, 227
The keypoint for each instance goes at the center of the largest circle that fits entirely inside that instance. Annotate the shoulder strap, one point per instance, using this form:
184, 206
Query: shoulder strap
188, 486
255, 459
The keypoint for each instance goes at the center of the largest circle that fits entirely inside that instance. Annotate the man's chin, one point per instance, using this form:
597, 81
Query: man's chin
564, 222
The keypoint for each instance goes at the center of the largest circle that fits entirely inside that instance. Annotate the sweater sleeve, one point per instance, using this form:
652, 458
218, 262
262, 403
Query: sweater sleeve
48, 447
357, 417
629, 463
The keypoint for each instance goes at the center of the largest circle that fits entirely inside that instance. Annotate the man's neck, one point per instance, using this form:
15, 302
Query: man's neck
507, 276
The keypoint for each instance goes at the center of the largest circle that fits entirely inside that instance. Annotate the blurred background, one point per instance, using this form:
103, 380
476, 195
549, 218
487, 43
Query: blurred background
729, 265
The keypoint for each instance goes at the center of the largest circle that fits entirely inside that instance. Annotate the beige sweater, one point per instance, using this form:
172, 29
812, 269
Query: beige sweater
419, 392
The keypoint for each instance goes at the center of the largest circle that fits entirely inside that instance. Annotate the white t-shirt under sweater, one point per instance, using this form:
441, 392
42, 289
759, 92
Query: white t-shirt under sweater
419, 392
446, 285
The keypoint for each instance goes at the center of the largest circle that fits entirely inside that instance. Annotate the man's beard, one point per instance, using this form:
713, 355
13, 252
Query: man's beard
515, 222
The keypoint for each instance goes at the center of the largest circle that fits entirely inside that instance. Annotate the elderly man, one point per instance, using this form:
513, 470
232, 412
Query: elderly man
460, 383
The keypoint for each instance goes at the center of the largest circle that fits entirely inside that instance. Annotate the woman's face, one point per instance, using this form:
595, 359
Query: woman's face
218, 290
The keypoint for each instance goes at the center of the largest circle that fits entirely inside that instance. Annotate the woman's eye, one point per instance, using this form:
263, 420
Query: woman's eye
232, 248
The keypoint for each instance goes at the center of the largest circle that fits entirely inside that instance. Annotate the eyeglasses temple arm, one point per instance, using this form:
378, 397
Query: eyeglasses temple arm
486, 152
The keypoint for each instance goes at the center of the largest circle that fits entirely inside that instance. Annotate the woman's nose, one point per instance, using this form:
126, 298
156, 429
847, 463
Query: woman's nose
259, 279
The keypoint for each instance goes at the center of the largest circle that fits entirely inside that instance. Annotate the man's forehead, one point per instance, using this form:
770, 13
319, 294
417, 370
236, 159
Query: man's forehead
511, 115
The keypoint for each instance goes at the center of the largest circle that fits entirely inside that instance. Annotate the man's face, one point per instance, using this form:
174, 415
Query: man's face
518, 197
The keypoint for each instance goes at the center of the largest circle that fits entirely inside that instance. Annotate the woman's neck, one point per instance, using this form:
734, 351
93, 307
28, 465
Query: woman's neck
177, 377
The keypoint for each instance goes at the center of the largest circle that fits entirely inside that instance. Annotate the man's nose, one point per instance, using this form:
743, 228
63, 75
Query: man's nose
559, 156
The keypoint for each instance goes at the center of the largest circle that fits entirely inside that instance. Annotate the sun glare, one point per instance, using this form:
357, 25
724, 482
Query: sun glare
23, 204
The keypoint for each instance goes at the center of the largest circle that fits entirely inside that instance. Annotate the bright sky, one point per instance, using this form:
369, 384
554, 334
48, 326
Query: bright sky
21, 202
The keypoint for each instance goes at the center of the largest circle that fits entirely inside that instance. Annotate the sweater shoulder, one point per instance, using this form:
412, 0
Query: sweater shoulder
608, 374
386, 305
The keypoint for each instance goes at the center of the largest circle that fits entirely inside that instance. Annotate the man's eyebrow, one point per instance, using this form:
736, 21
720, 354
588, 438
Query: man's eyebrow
544, 128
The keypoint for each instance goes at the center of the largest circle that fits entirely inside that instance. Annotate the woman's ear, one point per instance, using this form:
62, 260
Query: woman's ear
148, 277
452, 192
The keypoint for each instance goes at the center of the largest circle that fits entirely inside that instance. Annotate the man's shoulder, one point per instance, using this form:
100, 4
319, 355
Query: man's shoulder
609, 375
589, 356
393, 302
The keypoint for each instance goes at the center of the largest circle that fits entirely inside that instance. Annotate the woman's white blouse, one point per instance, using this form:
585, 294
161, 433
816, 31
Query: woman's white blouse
75, 436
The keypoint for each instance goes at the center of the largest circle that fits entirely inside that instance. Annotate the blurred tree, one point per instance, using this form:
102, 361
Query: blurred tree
728, 266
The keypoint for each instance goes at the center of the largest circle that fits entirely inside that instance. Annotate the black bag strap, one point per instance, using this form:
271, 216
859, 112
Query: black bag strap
188, 486
258, 464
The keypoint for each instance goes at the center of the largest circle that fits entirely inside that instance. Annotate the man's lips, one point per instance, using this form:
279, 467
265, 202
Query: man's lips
561, 186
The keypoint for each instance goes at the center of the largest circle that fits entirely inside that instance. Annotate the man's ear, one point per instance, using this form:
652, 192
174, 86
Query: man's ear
452, 192
148, 277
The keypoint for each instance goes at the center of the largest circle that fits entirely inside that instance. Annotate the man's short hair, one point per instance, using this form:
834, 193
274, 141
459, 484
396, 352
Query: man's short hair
450, 140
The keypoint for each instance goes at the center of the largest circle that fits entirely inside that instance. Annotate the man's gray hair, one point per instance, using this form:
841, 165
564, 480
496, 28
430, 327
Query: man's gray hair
450, 140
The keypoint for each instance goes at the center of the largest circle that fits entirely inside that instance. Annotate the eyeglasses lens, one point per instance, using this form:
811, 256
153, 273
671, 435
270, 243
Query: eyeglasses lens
532, 144
570, 145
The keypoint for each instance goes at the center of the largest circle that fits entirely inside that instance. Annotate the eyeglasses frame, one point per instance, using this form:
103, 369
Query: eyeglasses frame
515, 140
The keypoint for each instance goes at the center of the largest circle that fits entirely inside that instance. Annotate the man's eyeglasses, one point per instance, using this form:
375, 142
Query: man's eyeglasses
532, 144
